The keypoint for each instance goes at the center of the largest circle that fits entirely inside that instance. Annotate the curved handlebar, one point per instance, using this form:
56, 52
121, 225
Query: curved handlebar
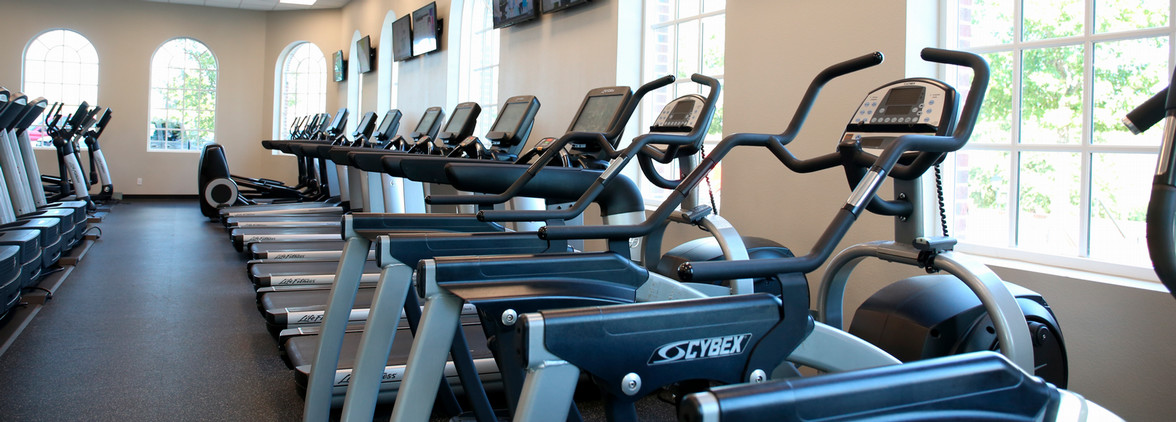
866, 191
774, 142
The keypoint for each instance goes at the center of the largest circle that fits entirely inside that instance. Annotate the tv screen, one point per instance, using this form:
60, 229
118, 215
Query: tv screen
510, 12
598, 113
402, 38
363, 54
554, 5
340, 67
425, 30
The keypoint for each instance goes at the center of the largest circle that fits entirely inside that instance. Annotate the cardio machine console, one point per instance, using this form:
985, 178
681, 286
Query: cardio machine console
680, 115
908, 106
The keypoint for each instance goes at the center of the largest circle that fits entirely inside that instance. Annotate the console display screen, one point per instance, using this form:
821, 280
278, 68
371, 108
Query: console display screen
510, 118
597, 114
427, 121
901, 101
458, 119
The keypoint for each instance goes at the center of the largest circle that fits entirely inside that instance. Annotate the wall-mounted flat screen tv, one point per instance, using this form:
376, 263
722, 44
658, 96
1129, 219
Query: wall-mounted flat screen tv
402, 38
510, 12
364, 54
550, 6
426, 30
340, 67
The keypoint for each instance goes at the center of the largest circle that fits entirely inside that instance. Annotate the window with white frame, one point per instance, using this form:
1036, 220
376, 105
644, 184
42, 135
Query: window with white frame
478, 68
303, 86
684, 37
62, 66
1051, 175
182, 97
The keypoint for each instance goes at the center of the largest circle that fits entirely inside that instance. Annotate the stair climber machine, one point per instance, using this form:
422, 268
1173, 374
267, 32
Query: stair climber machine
379, 364
292, 294
322, 190
557, 345
977, 385
43, 231
72, 181
60, 225
426, 128
20, 249
18, 145
593, 137
460, 126
99, 170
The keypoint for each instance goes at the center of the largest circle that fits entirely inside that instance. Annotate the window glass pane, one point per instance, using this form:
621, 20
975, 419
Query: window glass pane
184, 78
985, 22
688, 59
1126, 73
714, 34
1048, 198
687, 8
1121, 185
1051, 106
996, 115
1045, 19
658, 51
1122, 15
713, 5
658, 11
982, 186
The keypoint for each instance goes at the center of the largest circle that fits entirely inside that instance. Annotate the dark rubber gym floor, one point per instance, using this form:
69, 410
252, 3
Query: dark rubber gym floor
158, 322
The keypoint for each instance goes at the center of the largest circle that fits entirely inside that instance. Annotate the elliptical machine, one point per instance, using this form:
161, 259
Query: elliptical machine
1161, 228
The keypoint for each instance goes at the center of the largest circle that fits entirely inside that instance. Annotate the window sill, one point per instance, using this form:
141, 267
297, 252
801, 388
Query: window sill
996, 263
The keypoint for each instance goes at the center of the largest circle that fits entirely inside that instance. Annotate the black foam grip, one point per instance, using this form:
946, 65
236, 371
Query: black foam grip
1161, 243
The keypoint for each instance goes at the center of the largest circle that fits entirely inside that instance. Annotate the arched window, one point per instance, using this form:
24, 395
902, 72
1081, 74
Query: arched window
62, 66
183, 96
478, 73
302, 86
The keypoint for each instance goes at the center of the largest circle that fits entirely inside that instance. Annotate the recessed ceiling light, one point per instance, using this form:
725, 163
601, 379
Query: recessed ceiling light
301, 2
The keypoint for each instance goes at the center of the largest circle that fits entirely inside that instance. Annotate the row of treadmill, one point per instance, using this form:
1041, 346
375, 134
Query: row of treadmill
44, 219
489, 307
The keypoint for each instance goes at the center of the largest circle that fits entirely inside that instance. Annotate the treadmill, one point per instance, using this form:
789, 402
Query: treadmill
324, 200
460, 126
608, 109
292, 292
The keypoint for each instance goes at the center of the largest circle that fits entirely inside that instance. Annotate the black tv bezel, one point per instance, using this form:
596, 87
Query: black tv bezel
574, 3
499, 24
365, 54
436, 32
339, 66
395, 54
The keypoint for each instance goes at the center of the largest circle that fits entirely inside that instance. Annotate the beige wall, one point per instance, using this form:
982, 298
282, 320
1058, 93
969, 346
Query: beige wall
126, 34
1119, 337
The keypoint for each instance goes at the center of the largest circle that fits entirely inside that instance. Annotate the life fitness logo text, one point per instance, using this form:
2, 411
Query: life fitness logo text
702, 348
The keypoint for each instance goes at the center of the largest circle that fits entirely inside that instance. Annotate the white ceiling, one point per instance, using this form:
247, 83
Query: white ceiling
258, 4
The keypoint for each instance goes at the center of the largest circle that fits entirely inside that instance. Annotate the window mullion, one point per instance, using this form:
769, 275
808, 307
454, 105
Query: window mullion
1014, 150
1085, 191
